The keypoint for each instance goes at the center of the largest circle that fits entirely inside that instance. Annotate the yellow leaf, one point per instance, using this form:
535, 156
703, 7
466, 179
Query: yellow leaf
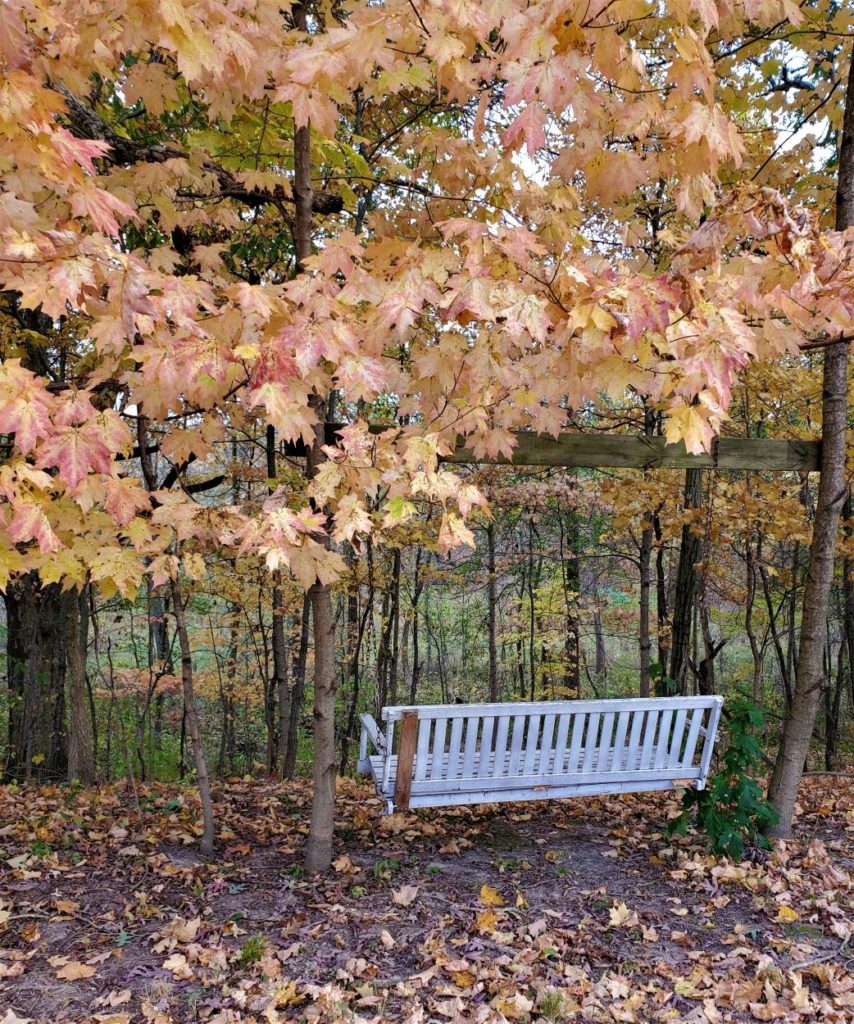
486, 921
787, 914
622, 917
490, 897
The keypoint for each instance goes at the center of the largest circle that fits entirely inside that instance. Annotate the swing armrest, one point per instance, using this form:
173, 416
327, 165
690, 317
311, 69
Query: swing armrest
370, 732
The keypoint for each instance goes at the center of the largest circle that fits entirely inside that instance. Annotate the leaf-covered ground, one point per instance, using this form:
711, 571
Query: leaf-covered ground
578, 910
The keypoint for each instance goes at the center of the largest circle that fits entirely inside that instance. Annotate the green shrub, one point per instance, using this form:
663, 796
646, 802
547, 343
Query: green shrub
732, 811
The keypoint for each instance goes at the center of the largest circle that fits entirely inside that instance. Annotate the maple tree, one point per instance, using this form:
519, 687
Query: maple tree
457, 222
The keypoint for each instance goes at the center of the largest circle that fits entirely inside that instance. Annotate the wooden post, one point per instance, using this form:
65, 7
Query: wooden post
405, 757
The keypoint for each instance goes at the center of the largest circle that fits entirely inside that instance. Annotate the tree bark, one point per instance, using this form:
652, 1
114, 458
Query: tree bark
298, 691
832, 492
81, 750
645, 584
192, 720
318, 851
690, 552
749, 627
35, 667
492, 602
848, 598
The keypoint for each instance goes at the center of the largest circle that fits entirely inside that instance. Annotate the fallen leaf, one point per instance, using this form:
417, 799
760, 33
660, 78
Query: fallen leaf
490, 897
74, 970
405, 895
622, 917
186, 931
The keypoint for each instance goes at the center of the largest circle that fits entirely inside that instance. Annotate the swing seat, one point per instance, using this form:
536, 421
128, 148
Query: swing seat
451, 755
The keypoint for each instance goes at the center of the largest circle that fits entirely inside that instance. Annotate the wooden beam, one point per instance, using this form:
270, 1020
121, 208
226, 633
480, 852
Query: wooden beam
626, 451
405, 759
623, 451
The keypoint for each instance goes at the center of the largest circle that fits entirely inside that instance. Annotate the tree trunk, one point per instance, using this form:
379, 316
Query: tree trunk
661, 595
318, 852
35, 666
645, 584
848, 598
417, 587
690, 552
749, 628
832, 492
298, 691
491, 601
192, 719
81, 750
394, 662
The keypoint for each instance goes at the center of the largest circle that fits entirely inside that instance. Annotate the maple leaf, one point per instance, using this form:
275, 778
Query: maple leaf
454, 533
490, 896
74, 970
404, 896
25, 406
29, 522
75, 452
78, 151
101, 207
530, 125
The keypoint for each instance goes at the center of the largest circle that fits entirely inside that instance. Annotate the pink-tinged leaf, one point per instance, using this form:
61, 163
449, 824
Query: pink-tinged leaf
76, 453
531, 126
15, 44
453, 533
30, 523
24, 406
69, 280
134, 300
101, 207
79, 151
125, 497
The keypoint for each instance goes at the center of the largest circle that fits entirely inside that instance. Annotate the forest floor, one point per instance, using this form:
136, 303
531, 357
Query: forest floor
576, 910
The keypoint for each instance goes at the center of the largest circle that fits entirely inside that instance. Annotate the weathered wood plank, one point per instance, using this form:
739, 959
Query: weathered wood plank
546, 707
626, 451
405, 759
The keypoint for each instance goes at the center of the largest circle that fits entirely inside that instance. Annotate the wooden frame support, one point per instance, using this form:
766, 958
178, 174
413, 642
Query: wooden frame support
627, 451
405, 759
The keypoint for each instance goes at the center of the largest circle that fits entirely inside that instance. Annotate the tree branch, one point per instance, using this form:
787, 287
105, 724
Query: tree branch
87, 124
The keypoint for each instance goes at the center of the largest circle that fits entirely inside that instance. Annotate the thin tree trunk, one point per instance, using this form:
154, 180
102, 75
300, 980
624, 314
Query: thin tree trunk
832, 492
298, 692
318, 851
192, 720
492, 601
848, 597
690, 551
417, 587
531, 657
833, 707
749, 628
81, 750
393, 668
661, 595
645, 585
